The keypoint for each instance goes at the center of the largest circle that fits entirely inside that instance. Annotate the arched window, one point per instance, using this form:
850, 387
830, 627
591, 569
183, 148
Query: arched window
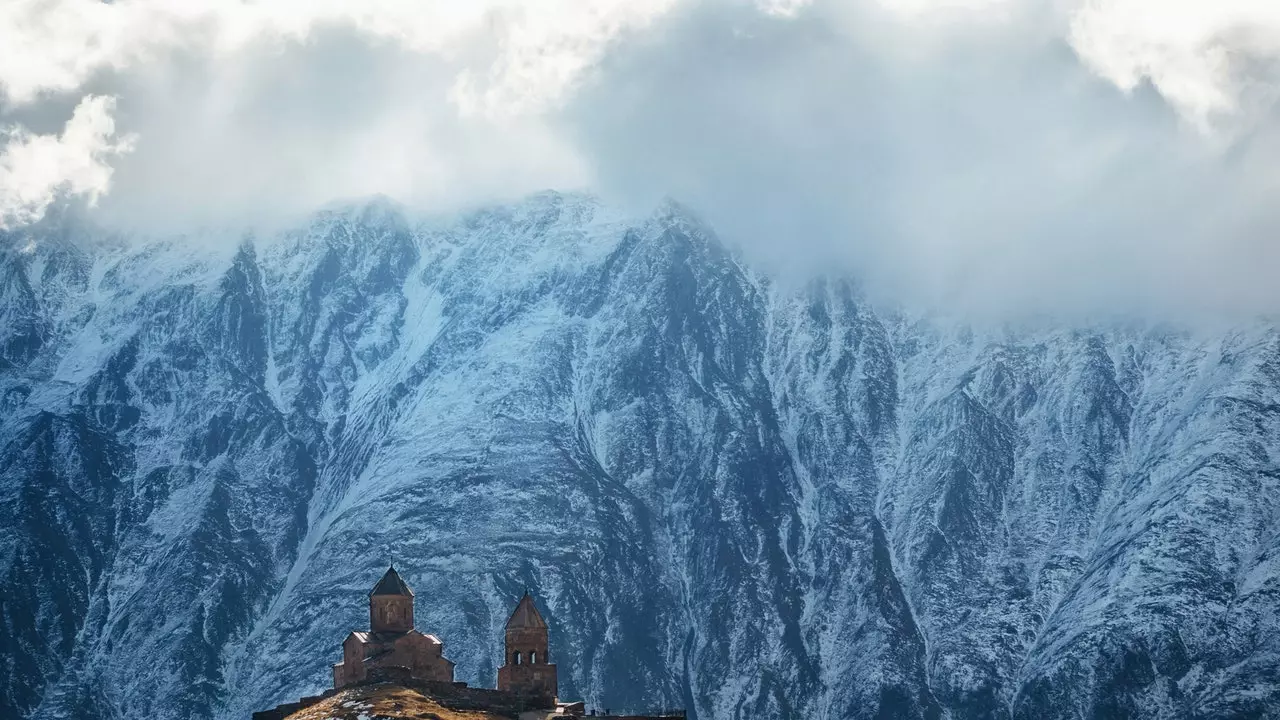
515, 659
533, 657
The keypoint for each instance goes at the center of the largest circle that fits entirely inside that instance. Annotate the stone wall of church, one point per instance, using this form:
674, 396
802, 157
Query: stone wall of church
421, 656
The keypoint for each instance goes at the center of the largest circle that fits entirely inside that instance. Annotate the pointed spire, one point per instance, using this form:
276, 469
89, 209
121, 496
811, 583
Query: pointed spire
391, 584
526, 614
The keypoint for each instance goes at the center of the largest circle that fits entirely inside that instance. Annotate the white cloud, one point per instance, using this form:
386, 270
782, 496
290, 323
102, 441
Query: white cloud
535, 50
1202, 55
456, 118
924, 10
35, 168
1055, 150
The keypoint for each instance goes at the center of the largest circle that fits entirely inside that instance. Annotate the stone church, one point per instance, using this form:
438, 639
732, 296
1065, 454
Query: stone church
392, 643
396, 668
391, 640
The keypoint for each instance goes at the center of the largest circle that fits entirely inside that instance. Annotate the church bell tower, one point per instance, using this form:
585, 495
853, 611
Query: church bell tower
525, 669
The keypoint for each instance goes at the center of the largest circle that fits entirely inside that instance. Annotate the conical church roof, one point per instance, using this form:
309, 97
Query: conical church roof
391, 584
526, 615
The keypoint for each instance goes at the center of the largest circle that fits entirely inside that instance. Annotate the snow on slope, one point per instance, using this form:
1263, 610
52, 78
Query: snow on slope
754, 502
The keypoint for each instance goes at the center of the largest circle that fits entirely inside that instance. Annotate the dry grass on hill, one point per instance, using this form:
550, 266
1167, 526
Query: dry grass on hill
375, 702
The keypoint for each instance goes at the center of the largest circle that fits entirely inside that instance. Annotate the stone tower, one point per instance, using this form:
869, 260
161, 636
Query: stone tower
391, 605
525, 669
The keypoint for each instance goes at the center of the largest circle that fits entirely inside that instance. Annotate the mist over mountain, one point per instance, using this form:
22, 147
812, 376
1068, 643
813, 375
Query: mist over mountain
1068, 157
751, 498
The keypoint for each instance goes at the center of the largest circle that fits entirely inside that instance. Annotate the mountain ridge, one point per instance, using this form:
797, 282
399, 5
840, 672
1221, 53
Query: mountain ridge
738, 497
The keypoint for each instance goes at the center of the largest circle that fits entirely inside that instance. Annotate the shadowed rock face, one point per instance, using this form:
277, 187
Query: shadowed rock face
748, 501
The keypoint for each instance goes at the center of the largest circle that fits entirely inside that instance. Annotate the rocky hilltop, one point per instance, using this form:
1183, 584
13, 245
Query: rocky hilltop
747, 500
389, 702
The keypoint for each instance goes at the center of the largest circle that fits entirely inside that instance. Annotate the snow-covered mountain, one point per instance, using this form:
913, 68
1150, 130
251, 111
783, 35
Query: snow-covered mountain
752, 501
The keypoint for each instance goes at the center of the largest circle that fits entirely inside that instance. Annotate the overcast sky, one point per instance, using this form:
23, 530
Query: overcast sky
1057, 154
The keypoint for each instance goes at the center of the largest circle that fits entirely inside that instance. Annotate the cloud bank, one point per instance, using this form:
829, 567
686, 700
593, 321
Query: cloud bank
34, 168
1047, 154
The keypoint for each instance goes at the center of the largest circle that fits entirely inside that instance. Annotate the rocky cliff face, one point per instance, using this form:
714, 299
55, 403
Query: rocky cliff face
750, 501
